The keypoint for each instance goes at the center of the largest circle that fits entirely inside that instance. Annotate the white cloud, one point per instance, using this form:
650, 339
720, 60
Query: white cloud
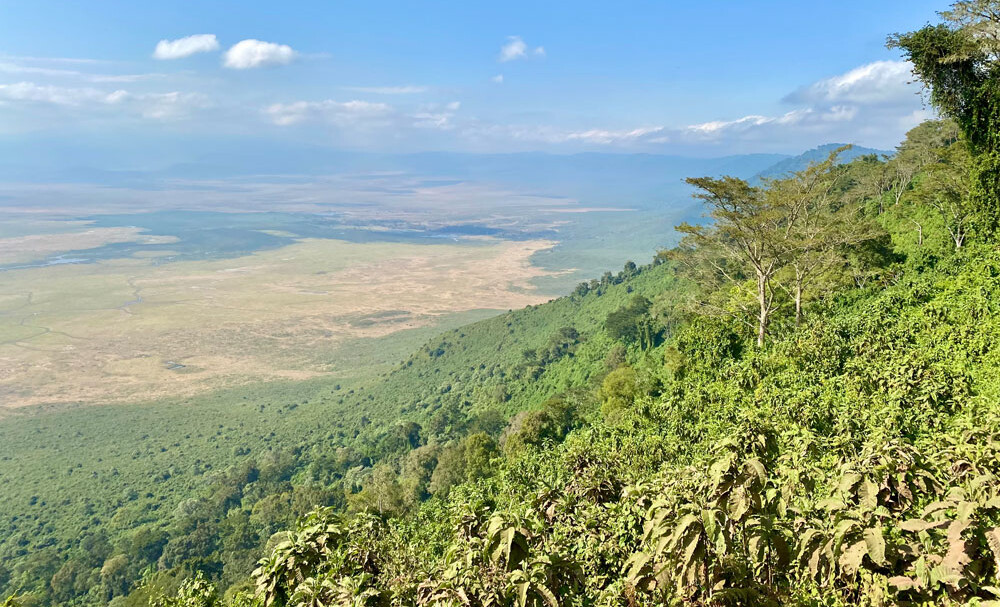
366, 116
388, 90
498, 78
720, 126
873, 105
29, 92
158, 106
70, 60
340, 113
606, 137
185, 47
516, 48
436, 116
257, 53
878, 82
47, 72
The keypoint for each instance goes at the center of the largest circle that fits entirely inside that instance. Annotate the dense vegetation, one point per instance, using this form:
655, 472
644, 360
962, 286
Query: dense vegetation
797, 405
202, 483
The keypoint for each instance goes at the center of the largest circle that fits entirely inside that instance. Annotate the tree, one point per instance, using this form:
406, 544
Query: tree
946, 189
918, 150
480, 448
450, 469
872, 179
114, 575
958, 61
632, 323
381, 494
748, 240
820, 226
618, 390
415, 473
194, 592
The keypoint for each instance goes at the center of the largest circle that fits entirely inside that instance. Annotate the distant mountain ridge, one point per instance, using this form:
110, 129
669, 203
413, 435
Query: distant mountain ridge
793, 164
624, 180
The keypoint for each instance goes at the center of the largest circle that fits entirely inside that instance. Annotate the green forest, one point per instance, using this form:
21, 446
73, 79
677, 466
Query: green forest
797, 405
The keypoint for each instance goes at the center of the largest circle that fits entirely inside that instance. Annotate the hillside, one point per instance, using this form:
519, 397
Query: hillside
274, 451
848, 459
857, 455
658, 453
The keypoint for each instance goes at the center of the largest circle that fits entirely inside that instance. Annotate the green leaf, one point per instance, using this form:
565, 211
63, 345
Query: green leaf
868, 494
757, 468
876, 545
739, 503
848, 482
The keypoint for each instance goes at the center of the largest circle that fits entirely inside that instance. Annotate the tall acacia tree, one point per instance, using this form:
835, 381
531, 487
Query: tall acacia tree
748, 239
819, 225
959, 61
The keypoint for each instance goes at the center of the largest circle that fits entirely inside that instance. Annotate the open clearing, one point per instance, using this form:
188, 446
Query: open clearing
129, 329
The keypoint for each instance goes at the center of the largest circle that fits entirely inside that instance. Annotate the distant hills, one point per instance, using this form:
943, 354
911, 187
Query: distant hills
608, 179
794, 164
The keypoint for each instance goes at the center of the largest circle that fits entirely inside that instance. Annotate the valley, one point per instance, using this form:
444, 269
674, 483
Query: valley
128, 328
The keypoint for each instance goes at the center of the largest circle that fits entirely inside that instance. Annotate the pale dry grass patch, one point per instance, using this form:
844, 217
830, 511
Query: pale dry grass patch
109, 331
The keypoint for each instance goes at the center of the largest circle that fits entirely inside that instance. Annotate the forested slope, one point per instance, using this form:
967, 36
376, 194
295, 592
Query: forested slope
852, 462
201, 484
840, 452
819, 425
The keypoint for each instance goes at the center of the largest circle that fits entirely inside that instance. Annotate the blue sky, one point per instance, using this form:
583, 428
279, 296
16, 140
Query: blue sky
706, 78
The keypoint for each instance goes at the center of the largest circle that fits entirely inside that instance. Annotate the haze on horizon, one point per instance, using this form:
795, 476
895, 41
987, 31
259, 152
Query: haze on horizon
135, 86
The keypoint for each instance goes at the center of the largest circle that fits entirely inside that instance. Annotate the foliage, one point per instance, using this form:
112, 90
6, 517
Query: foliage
957, 60
850, 462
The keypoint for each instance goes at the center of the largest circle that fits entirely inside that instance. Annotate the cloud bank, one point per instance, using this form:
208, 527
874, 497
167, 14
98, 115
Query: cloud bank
156, 106
348, 113
872, 105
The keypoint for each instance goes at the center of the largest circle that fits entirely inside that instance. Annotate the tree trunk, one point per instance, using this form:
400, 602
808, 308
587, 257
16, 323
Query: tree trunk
764, 312
920, 232
798, 303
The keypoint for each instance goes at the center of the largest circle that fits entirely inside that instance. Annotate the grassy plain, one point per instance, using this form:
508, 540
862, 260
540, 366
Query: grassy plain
133, 329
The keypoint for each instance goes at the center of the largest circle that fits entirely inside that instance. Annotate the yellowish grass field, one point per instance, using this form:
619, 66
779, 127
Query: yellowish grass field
112, 331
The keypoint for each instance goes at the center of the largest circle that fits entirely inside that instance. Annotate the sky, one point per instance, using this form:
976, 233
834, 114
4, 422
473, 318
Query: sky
707, 78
